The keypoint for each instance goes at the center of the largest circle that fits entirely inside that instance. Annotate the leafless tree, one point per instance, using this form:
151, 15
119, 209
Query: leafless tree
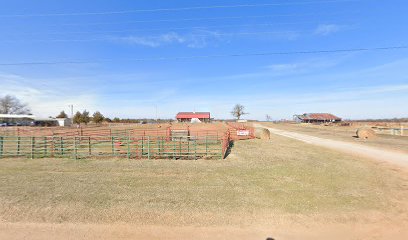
238, 111
12, 105
268, 118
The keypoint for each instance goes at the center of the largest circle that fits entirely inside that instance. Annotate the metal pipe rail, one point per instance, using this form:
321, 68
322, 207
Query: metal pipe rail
143, 147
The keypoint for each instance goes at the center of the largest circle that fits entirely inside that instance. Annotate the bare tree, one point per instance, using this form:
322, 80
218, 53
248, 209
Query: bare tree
12, 105
238, 111
268, 118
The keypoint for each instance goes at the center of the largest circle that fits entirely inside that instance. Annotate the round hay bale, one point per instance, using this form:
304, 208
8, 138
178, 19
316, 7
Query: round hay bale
262, 133
365, 133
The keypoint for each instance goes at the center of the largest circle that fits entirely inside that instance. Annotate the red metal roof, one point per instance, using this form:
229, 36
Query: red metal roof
319, 116
193, 115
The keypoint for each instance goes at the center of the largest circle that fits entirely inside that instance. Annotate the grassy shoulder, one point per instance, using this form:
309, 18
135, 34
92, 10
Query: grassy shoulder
258, 181
395, 143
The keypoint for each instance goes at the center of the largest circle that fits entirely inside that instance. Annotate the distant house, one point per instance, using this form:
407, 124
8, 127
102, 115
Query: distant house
16, 119
316, 118
31, 120
193, 117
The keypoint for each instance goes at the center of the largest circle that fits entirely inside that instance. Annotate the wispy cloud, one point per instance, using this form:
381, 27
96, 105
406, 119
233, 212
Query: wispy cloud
198, 39
42, 99
327, 29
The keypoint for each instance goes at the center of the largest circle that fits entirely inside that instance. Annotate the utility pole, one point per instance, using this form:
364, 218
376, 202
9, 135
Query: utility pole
72, 113
156, 113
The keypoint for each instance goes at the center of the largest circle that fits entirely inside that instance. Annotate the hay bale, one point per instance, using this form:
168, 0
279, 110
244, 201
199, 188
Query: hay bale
262, 133
365, 133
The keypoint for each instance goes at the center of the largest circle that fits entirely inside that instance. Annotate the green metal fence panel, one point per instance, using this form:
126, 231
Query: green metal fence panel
149, 147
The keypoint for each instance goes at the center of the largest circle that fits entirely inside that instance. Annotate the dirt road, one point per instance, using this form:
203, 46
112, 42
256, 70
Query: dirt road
395, 158
292, 231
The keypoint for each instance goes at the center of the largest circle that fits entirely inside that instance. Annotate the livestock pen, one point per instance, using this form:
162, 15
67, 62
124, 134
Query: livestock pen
171, 142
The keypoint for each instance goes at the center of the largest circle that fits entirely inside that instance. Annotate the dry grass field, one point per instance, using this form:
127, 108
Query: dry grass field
261, 185
396, 143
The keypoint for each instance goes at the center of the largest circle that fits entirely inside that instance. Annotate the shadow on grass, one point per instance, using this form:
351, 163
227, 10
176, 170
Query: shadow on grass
231, 145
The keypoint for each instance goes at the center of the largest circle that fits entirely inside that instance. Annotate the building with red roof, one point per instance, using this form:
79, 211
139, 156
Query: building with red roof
189, 116
316, 118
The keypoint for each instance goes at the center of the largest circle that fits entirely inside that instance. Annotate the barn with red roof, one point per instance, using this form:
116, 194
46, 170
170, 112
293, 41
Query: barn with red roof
316, 118
193, 116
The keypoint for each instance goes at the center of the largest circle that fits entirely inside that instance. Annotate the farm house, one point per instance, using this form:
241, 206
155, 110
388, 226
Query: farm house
193, 117
316, 118
31, 120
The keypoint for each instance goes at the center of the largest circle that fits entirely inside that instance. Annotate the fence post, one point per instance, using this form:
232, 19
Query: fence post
18, 145
62, 146
188, 146
180, 147
158, 144
174, 150
45, 146
1, 146
52, 145
142, 144
148, 147
75, 148
128, 146
206, 146
195, 148
222, 148
113, 146
32, 147
89, 146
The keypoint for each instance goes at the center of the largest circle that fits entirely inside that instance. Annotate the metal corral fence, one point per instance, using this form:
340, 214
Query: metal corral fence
401, 131
240, 131
146, 147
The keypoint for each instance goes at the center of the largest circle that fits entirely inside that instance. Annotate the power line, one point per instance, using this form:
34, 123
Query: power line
212, 34
170, 29
346, 50
179, 9
200, 19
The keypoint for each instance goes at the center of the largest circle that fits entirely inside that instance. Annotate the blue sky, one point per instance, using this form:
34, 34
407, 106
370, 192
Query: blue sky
355, 85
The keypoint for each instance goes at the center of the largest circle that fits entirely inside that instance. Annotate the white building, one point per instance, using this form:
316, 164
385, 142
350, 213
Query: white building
31, 120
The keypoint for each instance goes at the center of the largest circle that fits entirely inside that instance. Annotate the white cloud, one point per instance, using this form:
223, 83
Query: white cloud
45, 101
326, 29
